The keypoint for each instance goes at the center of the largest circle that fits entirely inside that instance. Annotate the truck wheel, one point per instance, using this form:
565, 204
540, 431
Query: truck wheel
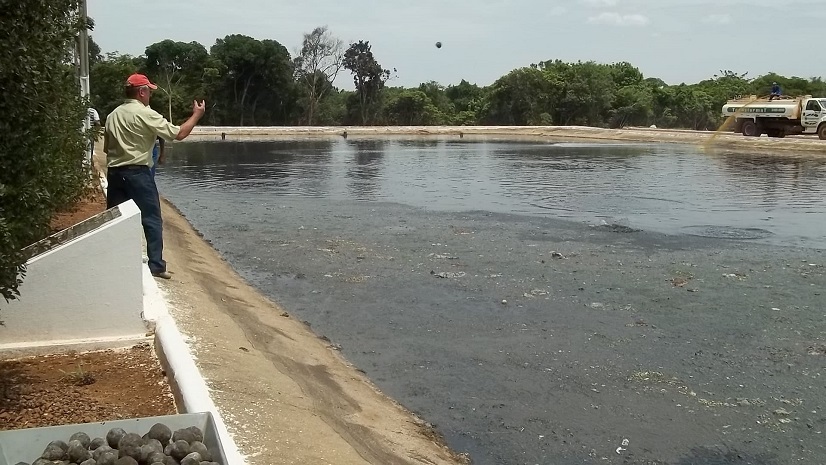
750, 129
821, 131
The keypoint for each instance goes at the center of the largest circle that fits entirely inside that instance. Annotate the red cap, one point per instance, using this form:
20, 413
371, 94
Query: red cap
138, 80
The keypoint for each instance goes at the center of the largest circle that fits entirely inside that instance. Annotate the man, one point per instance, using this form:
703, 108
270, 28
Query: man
775, 93
129, 135
94, 124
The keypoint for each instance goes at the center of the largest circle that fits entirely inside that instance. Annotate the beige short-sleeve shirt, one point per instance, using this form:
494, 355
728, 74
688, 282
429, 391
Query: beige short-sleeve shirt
130, 132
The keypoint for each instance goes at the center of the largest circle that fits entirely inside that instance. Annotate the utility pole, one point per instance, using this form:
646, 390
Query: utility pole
83, 70
83, 52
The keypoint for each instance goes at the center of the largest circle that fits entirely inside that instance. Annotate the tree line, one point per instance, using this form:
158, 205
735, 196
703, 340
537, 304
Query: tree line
247, 81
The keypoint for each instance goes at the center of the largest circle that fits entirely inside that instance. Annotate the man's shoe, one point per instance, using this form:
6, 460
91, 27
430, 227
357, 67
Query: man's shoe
163, 274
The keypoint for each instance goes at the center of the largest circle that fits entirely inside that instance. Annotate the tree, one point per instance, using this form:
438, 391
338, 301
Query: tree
256, 72
317, 65
42, 148
632, 106
107, 80
368, 76
170, 63
412, 108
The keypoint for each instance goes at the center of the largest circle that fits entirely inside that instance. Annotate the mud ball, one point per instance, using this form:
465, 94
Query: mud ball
130, 446
193, 458
82, 437
77, 452
95, 443
199, 435
202, 450
88, 462
183, 435
178, 449
160, 432
126, 461
170, 461
54, 451
100, 451
155, 457
108, 457
438, 45
42, 461
114, 436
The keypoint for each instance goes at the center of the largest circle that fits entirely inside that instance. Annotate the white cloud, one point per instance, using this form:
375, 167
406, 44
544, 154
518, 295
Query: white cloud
600, 2
717, 19
618, 19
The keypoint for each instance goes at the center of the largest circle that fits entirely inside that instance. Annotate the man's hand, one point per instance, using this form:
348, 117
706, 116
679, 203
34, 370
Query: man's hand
198, 108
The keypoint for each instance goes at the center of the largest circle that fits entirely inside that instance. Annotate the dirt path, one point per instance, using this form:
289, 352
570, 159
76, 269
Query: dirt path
287, 396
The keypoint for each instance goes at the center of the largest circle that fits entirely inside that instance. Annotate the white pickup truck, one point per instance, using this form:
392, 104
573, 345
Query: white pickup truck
776, 118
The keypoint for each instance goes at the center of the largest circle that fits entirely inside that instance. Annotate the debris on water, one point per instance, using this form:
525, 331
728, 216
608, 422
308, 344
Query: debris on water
443, 256
448, 274
819, 349
782, 412
557, 255
504, 302
734, 275
625, 442
679, 281
597, 305
616, 228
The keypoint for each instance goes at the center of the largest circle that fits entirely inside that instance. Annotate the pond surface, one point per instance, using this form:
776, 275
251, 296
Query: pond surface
540, 302
656, 187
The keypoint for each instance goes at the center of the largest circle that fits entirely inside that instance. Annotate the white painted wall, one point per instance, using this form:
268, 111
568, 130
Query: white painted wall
86, 292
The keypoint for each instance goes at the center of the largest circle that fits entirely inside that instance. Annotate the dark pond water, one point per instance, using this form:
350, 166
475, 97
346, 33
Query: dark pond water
663, 188
539, 302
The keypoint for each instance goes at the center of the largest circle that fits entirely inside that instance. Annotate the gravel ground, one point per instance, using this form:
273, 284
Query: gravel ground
82, 388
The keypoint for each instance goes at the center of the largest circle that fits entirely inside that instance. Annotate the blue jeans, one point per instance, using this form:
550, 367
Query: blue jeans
136, 183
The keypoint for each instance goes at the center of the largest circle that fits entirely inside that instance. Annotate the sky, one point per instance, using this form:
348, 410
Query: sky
674, 40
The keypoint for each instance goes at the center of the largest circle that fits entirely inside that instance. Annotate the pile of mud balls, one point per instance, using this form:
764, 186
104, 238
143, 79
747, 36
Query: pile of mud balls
160, 446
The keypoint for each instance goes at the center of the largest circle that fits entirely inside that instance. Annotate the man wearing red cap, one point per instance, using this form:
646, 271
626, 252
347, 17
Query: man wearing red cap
129, 136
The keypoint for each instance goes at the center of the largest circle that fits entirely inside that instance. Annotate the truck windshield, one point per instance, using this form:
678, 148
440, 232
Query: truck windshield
823, 103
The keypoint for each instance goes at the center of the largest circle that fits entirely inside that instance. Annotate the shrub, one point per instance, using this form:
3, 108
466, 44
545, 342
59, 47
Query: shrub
41, 116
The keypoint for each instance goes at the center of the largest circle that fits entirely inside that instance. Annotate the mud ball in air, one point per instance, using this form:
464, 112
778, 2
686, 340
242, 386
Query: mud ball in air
438, 45
126, 461
130, 446
160, 432
77, 452
84, 439
95, 443
114, 436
